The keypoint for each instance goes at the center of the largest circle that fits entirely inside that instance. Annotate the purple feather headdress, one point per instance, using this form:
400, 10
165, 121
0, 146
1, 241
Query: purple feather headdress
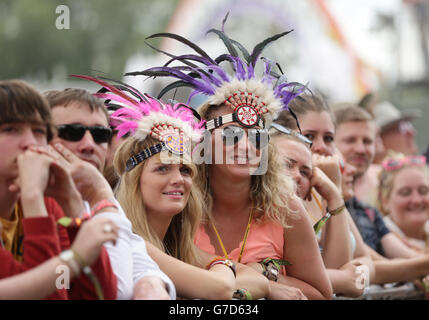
262, 97
140, 115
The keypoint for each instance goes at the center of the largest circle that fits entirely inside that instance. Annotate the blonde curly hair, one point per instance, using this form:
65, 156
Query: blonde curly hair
270, 193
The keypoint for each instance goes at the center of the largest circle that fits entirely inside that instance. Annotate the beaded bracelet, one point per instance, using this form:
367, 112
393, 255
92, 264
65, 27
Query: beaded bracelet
222, 260
72, 222
76, 222
242, 294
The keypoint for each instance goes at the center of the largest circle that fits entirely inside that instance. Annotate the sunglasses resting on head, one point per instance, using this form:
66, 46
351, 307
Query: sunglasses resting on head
75, 132
396, 164
290, 132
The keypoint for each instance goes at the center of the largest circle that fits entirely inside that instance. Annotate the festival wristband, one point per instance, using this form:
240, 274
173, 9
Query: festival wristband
319, 224
337, 210
102, 205
242, 294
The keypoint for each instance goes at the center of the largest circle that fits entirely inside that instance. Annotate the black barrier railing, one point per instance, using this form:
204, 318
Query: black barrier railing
391, 291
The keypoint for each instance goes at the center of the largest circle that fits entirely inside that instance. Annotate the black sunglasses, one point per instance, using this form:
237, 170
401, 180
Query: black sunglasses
289, 132
75, 132
232, 134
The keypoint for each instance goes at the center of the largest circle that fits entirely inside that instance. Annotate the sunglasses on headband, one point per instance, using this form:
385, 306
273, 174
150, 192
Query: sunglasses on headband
289, 132
75, 132
232, 134
396, 164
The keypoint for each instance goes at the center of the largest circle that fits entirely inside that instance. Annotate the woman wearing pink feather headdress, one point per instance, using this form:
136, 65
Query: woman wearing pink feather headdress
157, 192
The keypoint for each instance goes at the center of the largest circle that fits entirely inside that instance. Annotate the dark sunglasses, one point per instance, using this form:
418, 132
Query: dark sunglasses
75, 132
232, 134
289, 132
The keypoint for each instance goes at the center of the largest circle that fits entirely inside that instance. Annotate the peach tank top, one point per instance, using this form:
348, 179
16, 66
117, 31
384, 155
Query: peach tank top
265, 239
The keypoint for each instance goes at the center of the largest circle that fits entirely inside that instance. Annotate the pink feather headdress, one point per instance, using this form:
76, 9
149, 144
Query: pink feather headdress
141, 115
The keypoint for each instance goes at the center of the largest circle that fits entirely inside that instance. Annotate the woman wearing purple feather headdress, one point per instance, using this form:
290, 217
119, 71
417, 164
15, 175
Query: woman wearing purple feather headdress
157, 192
245, 190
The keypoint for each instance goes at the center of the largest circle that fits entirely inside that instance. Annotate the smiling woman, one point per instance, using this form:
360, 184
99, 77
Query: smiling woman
251, 212
404, 198
165, 207
340, 243
168, 191
157, 192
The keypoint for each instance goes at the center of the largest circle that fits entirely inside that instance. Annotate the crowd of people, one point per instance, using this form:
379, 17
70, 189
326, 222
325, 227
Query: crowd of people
266, 191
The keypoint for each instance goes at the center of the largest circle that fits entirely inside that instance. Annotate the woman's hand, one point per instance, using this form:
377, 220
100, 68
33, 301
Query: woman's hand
353, 279
326, 188
330, 165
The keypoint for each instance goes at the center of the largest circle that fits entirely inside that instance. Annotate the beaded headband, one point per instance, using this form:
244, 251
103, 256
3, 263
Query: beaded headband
139, 115
255, 101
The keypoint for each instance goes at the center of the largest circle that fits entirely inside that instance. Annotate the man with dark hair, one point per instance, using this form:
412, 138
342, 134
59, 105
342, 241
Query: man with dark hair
82, 123
30, 234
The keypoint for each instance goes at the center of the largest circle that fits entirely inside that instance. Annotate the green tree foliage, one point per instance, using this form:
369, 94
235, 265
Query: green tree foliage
103, 34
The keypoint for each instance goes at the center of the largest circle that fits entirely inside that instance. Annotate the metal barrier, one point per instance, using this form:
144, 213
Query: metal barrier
390, 291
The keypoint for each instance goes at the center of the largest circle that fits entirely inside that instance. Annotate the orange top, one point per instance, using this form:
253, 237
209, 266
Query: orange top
265, 240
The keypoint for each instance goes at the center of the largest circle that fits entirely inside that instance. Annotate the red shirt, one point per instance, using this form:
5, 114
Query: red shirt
44, 239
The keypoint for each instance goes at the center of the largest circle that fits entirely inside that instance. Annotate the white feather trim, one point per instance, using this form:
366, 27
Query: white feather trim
146, 124
265, 93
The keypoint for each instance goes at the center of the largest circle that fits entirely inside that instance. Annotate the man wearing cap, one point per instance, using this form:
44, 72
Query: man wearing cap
396, 129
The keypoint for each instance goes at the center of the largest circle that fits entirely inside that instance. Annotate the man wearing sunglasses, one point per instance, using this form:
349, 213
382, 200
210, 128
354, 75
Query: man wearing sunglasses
82, 123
